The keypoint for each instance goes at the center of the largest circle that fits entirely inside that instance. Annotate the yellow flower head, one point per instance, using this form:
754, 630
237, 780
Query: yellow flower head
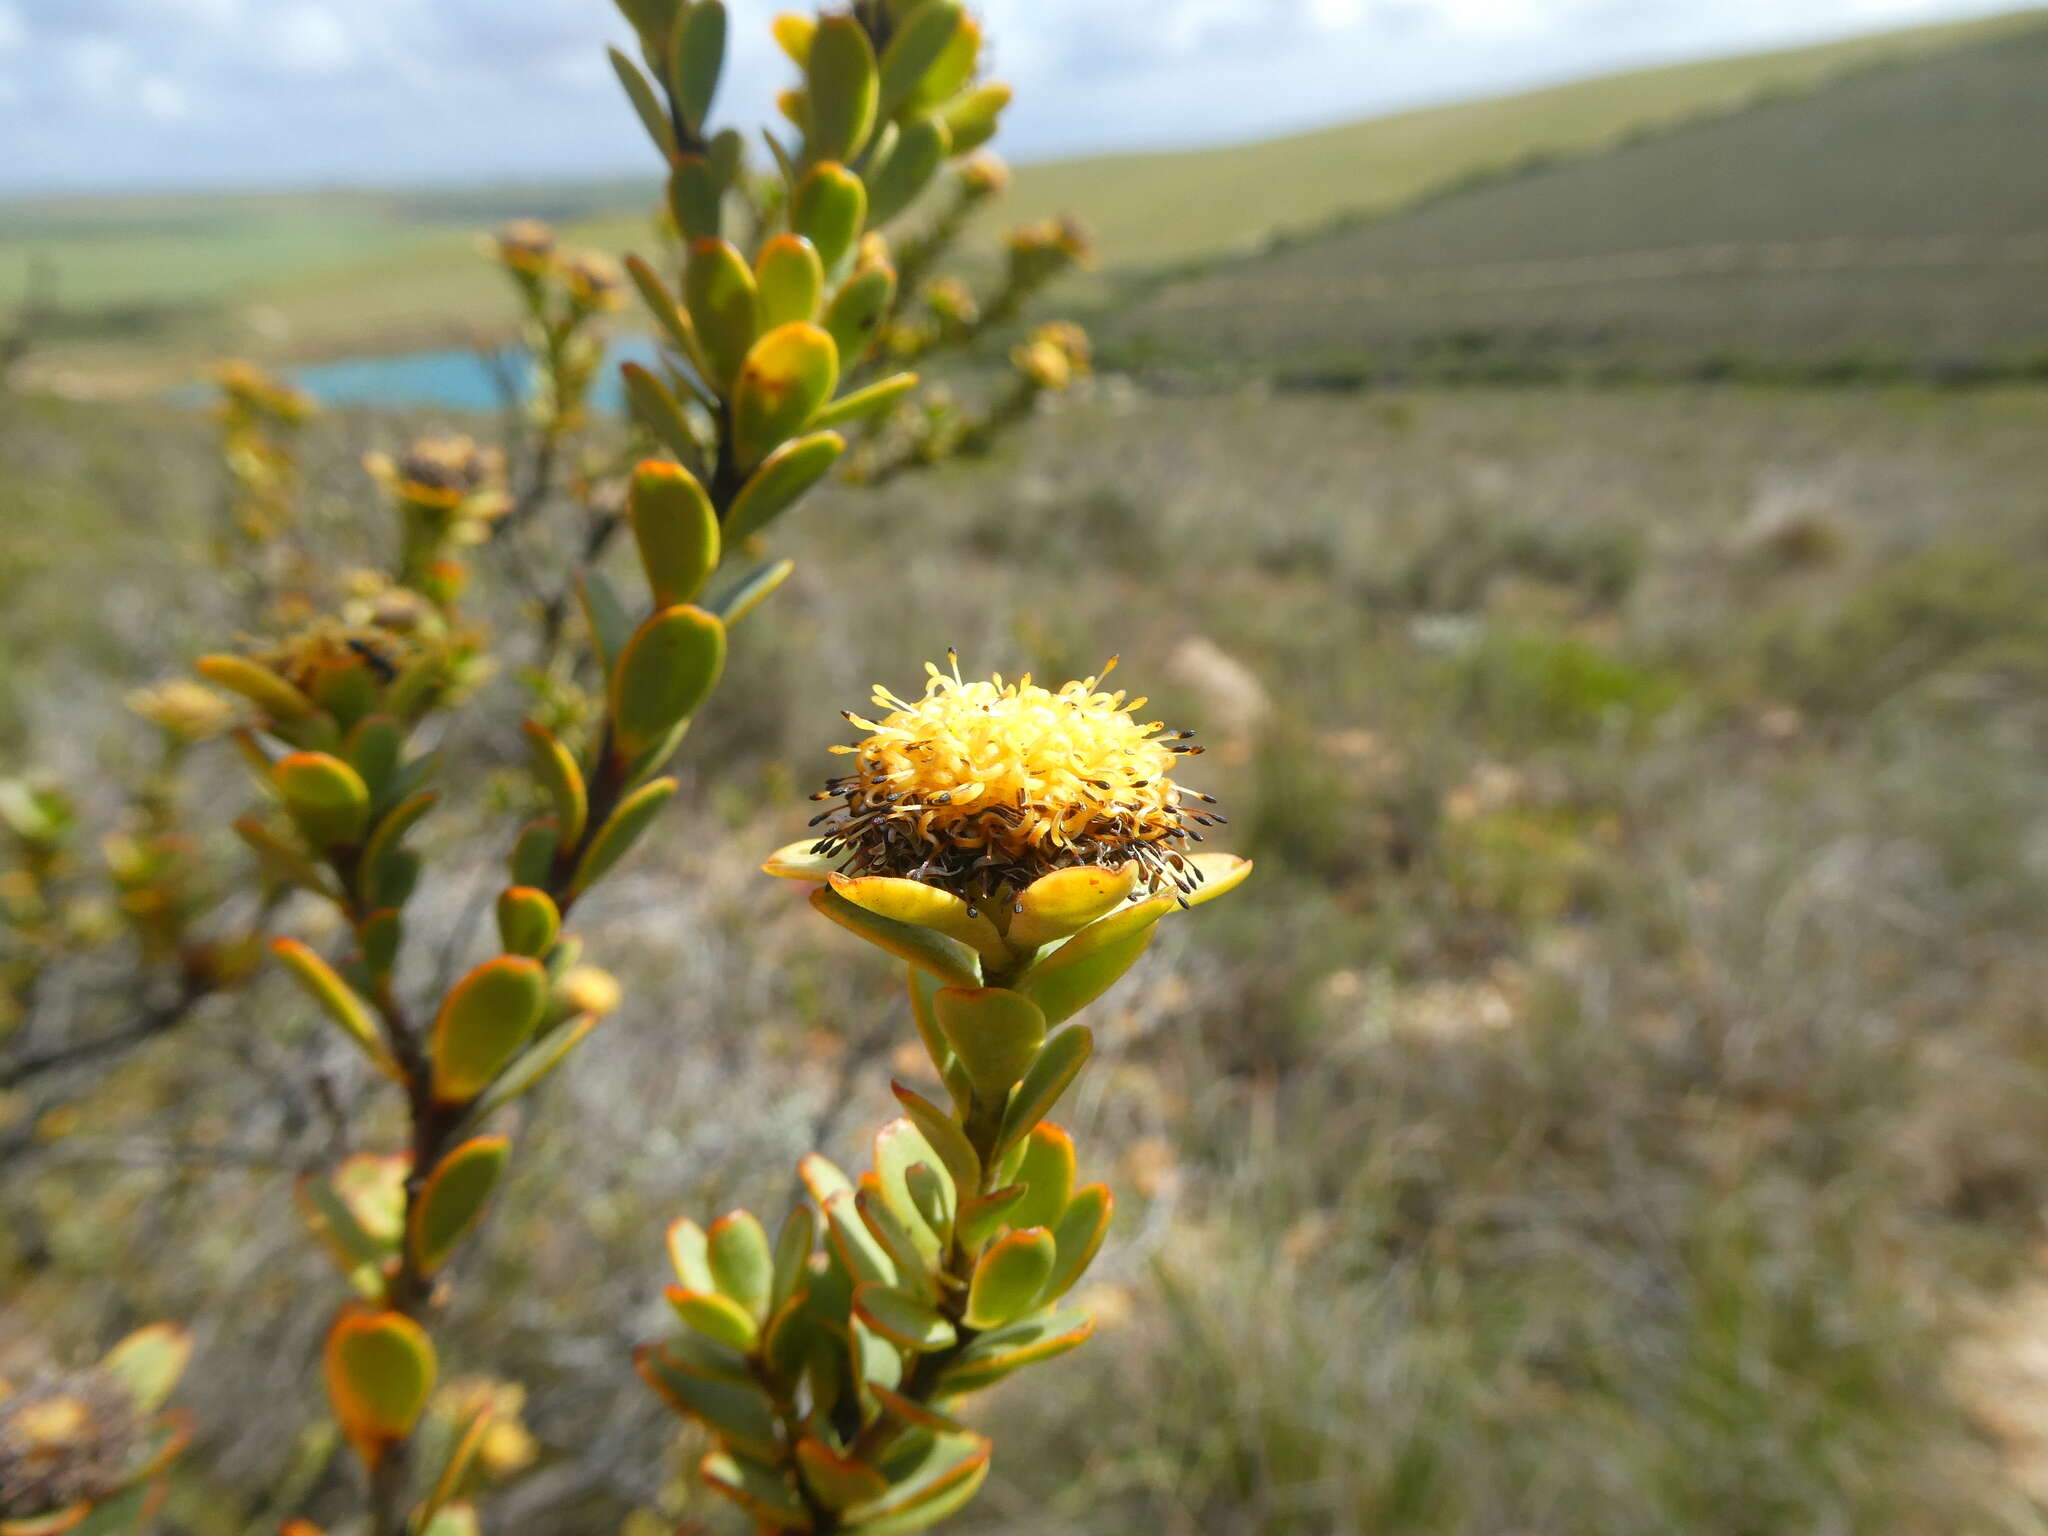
310, 658
526, 245
595, 281
985, 175
187, 710
982, 787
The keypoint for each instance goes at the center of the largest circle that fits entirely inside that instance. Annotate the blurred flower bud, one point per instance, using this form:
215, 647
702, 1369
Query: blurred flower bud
184, 709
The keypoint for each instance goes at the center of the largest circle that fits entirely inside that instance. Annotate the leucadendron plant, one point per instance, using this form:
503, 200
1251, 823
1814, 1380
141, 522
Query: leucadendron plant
1016, 848
769, 352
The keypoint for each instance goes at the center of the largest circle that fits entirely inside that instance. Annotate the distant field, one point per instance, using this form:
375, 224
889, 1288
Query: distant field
1899, 215
149, 287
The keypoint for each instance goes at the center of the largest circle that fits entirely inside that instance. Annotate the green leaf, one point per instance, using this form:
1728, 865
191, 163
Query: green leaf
859, 307
980, 1217
622, 829
356, 1252
791, 279
1064, 1055
851, 1238
604, 613
935, 1478
913, 1251
148, 1364
828, 209
533, 856
902, 1318
837, 1480
1078, 1235
327, 799
696, 199
282, 860
531, 1065
262, 687
740, 590
381, 850
899, 1147
948, 959
944, 1135
955, 66
719, 1318
340, 1001
972, 118
373, 749
556, 769
528, 921
655, 407
994, 1032
822, 1178
920, 41
781, 481
379, 1368
676, 528
875, 1361
485, 1019
690, 1351
645, 103
453, 1519
699, 57
1047, 1173
896, 183
689, 1254
923, 906
792, 1253
451, 1201
739, 1413
793, 34
1061, 904
1009, 1277
380, 935
788, 375
663, 674
1087, 965
662, 305
864, 403
723, 305
764, 1492
996, 1354
844, 87
742, 1264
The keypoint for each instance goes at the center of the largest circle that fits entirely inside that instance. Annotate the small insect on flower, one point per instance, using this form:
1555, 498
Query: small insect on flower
980, 788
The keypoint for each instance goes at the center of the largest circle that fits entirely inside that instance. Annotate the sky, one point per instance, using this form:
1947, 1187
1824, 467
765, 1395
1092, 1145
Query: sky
99, 95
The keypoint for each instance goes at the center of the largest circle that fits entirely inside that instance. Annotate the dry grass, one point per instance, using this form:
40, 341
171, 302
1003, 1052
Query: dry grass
1613, 1101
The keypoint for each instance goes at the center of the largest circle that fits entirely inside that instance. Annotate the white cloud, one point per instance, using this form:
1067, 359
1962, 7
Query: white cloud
1493, 18
99, 67
284, 90
309, 39
162, 100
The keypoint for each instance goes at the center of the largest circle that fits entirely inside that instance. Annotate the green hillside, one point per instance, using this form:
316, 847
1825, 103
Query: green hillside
1898, 213
1157, 208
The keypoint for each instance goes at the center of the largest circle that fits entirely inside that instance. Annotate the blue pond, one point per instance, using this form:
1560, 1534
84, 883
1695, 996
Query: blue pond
452, 378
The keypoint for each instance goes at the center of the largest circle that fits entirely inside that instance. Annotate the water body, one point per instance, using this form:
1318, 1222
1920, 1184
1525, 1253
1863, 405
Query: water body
449, 378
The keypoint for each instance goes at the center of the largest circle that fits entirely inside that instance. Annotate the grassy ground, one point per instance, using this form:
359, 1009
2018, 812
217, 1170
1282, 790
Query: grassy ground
1895, 214
1614, 1108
